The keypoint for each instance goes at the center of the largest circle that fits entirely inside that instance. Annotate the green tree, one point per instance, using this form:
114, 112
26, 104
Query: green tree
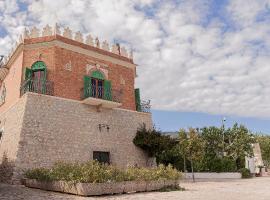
153, 141
195, 147
264, 141
239, 144
183, 146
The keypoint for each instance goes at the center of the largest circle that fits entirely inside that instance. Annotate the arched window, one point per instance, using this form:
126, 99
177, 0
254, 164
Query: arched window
39, 71
98, 75
36, 77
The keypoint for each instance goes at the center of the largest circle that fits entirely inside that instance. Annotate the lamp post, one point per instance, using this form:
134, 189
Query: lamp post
223, 134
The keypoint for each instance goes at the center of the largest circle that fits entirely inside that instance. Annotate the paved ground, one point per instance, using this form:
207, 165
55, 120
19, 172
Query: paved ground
251, 189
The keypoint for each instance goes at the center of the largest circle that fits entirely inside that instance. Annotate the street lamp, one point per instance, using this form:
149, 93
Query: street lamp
223, 134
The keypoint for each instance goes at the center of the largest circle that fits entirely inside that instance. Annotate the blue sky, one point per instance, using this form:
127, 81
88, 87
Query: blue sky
173, 121
198, 60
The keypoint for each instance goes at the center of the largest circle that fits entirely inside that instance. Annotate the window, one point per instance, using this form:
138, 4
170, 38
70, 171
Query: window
102, 157
97, 88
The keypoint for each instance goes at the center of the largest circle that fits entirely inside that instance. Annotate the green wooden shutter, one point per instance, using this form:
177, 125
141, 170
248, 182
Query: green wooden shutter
87, 90
137, 99
107, 90
28, 74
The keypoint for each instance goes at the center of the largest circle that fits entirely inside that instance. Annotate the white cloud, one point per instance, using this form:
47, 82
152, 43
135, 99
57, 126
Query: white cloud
185, 64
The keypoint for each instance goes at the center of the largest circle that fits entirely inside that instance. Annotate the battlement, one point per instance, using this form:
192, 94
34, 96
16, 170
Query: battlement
66, 32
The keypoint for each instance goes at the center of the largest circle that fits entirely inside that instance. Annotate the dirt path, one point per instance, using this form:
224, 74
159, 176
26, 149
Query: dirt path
250, 189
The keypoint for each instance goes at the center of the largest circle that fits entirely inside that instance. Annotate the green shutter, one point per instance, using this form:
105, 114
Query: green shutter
87, 86
28, 74
107, 90
137, 99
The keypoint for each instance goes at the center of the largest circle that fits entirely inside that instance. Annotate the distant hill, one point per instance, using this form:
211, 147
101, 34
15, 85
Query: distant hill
171, 134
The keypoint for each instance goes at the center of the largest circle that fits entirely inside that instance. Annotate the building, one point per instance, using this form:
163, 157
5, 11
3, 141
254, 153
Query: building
63, 98
255, 163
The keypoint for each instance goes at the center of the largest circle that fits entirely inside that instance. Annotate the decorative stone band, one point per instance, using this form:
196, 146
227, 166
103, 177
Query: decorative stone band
68, 33
77, 36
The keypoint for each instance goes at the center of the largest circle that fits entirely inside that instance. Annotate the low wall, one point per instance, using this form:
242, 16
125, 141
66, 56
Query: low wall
213, 175
95, 189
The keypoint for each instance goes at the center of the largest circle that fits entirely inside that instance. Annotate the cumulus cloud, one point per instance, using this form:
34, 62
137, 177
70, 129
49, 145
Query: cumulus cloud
189, 58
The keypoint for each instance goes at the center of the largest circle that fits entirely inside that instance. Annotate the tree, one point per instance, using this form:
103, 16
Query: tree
152, 141
239, 144
183, 146
195, 146
264, 141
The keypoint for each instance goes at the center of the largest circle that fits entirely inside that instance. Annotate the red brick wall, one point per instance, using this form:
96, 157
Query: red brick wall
68, 84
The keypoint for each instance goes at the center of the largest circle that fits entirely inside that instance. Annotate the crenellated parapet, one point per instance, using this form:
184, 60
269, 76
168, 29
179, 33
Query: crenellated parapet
34, 32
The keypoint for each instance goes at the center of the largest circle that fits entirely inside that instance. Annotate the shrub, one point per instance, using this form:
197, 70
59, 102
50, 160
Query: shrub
245, 173
152, 141
39, 174
6, 169
94, 172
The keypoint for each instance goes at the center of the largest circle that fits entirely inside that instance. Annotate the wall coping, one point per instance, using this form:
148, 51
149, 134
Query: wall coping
68, 40
77, 101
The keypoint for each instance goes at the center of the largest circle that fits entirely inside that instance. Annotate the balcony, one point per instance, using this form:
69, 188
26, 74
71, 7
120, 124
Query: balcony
37, 86
101, 97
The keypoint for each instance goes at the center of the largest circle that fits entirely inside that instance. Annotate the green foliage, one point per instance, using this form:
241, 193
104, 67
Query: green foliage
213, 138
39, 174
245, 173
174, 157
213, 149
216, 164
264, 141
152, 141
195, 145
94, 172
225, 149
239, 142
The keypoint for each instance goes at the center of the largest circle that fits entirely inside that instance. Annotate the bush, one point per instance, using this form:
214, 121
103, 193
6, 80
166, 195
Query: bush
94, 172
39, 174
245, 173
152, 141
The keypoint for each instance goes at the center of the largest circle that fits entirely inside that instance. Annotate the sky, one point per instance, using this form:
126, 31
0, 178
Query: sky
198, 60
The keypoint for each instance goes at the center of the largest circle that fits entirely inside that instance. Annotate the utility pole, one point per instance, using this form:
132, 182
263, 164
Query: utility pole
223, 134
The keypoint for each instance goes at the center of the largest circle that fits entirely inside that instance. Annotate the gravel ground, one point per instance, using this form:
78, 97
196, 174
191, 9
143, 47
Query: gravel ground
250, 189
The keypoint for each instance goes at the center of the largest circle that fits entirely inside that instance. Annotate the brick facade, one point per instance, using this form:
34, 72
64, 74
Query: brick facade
39, 130
57, 51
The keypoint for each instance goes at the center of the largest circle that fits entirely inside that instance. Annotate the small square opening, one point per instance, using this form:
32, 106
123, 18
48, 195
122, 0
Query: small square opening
102, 156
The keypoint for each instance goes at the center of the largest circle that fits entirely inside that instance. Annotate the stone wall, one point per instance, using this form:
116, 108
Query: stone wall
213, 175
56, 129
11, 124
